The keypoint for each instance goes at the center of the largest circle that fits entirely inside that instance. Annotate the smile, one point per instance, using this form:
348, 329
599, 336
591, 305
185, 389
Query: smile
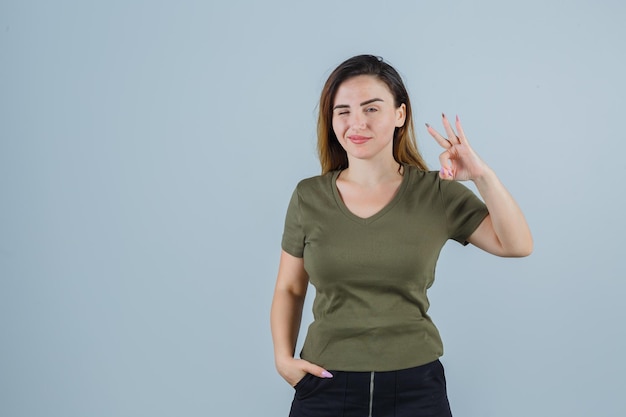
357, 139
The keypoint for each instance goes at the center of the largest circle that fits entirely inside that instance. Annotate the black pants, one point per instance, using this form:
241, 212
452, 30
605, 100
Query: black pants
413, 392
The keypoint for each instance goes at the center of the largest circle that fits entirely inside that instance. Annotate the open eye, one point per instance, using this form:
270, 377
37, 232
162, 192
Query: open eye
371, 109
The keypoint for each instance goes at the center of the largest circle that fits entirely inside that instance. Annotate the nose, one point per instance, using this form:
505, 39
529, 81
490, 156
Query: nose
357, 120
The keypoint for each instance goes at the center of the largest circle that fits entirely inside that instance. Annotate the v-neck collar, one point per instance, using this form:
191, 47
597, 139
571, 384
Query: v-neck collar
367, 220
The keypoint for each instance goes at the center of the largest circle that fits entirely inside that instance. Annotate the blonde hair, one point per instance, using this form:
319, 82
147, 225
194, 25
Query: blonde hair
331, 153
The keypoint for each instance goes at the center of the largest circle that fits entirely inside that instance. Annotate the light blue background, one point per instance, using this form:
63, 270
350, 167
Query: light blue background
148, 151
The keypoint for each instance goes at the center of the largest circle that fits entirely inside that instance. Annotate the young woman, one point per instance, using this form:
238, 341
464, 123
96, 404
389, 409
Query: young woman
367, 234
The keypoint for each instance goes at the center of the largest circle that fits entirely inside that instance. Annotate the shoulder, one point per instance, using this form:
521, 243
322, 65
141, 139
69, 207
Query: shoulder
316, 184
430, 181
421, 178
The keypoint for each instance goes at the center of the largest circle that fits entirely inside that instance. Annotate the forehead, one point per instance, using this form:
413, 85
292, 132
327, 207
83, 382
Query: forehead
362, 87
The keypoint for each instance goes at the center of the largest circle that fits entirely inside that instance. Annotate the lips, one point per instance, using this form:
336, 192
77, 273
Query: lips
358, 139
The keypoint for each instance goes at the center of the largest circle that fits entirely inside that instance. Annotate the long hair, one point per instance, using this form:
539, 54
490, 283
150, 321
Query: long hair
331, 153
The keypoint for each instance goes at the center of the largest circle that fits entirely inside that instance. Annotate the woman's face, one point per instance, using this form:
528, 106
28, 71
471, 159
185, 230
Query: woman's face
365, 117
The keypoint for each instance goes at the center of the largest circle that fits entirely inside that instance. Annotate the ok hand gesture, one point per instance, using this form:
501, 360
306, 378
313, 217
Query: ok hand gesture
458, 161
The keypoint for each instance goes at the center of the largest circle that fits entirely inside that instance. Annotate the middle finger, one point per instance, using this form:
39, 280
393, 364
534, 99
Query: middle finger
443, 142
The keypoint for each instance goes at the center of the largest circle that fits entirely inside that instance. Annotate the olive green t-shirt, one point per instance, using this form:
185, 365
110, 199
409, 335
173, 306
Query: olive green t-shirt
371, 275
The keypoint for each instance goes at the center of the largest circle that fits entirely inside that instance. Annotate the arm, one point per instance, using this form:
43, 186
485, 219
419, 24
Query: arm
285, 317
504, 232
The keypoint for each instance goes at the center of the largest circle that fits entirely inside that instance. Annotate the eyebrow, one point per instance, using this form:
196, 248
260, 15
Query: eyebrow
366, 102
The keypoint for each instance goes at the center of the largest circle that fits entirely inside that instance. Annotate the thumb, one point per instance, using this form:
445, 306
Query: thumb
445, 173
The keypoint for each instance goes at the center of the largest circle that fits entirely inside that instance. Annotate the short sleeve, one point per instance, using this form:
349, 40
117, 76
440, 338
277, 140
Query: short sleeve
464, 210
293, 234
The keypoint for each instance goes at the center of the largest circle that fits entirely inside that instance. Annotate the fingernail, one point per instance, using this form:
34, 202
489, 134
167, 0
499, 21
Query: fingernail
457, 117
427, 125
442, 171
326, 374
443, 115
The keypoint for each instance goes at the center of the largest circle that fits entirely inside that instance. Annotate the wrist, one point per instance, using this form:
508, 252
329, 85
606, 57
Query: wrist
280, 360
486, 176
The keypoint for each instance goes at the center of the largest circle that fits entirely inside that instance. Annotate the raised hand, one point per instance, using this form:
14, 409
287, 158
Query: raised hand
458, 161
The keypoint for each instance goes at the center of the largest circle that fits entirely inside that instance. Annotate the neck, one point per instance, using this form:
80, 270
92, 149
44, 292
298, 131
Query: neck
371, 173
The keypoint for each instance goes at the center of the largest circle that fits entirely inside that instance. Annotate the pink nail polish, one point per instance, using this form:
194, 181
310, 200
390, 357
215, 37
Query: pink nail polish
326, 374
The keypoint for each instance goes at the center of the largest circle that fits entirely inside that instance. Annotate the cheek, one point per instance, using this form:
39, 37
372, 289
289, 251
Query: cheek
338, 127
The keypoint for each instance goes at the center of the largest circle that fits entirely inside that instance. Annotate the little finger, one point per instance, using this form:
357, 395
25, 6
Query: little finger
459, 128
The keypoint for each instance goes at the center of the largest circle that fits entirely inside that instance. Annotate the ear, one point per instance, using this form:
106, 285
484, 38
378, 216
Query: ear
401, 115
